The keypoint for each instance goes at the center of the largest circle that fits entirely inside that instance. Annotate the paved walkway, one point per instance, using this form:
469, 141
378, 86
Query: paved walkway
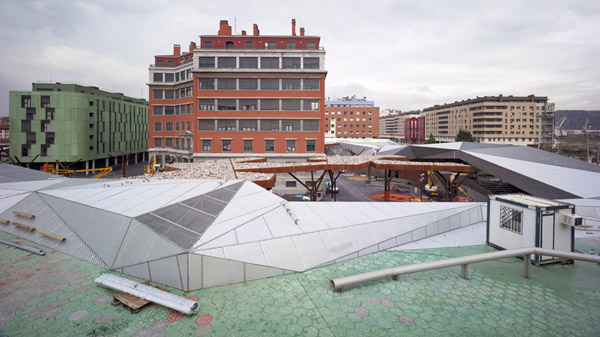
54, 295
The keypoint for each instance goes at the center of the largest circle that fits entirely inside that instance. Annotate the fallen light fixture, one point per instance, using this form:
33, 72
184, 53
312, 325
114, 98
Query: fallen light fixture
149, 293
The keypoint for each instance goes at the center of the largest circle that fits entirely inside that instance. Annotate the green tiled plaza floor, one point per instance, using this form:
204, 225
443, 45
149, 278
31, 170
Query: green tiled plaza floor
55, 295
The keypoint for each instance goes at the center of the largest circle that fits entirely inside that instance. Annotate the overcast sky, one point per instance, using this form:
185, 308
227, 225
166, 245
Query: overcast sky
402, 54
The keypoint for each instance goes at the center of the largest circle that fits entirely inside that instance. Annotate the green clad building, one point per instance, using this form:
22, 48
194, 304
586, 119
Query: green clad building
69, 121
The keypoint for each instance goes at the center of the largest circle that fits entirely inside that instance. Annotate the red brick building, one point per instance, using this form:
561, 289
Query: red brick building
239, 94
414, 129
351, 117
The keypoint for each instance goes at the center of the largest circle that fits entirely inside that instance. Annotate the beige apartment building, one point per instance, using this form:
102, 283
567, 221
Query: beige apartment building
393, 127
516, 120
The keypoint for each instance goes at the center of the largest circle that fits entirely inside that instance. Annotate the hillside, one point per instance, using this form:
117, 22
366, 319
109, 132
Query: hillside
576, 118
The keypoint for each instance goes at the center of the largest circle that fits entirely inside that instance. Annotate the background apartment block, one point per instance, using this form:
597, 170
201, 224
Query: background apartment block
4, 131
69, 122
237, 95
351, 117
403, 127
525, 120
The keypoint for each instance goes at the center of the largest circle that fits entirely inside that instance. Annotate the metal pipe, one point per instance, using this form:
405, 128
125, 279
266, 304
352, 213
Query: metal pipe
27, 248
343, 282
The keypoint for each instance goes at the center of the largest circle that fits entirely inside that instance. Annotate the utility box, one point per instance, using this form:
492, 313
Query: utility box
520, 221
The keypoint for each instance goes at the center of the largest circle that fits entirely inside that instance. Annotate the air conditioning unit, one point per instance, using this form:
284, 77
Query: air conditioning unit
571, 219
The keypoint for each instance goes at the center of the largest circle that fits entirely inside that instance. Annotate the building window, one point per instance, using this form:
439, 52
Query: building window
269, 125
189, 125
269, 145
290, 145
290, 183
227, 62
158, 110
248, 83
208, 44
50, 138
206, 62
168, 142
311, 45
45, 151
158, 126
310, 124
249, 104
25, 101
291, 63
311, 145
248, 145
269, 62
226, 145
170, 63
30, 113
249, 62
290, 104
169, 110
290, 84
229, 45
157, 142
45, 126
248, 125
226, 83
25, 125
291, 125
271, 45
511, 219
226, 125
169, 94
206, 104
269, 104
291, 45
206, 125
206, 84
311, 63
158, 94
269, 84
45, 101
25, 151
169, 77
311, 84
226, 104
311, 105
206, 145
249, 45
168, 126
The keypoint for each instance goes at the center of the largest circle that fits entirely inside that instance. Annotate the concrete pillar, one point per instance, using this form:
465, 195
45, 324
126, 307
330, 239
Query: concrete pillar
135, 158
107, 163
87, 166
94, 164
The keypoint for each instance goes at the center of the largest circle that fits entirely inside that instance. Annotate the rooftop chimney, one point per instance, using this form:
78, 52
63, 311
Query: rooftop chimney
243, 33
293, 27
301, 31
192, 46
223, 27
176, 50
256, 31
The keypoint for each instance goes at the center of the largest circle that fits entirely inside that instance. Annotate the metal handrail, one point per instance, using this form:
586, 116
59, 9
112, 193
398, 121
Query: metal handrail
340, 283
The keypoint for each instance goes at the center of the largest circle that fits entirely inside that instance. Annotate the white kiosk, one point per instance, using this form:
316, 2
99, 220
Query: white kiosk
519, 221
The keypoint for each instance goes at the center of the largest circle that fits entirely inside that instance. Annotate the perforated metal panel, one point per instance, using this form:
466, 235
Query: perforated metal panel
249, 252
139, 270
142, 244
254, 230
282, 253
216, 272
208, 205
360, 237
166, 271
312, 248
102, 231
338, 243
254, 272
432, 229
195, 271
182, 262
182, 237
